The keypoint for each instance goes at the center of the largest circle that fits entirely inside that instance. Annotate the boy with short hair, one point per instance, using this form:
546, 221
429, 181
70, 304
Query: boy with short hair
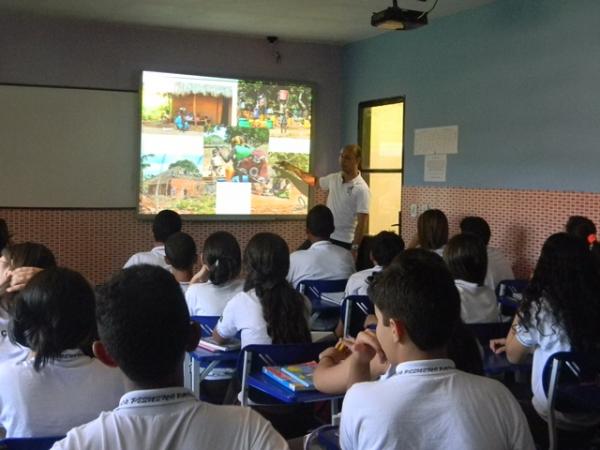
145, 329
423, 401
165, 224
181, 255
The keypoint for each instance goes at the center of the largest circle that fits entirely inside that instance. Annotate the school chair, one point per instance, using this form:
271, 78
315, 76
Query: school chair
35, 443
325, 437
572, 384
325, 297
354, 310
509, 294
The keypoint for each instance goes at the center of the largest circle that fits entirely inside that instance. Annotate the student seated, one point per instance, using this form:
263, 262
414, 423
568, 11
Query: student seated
218, 280
269, 310
323, 260
27, 254
466, 258
59, 385
423, 401
384, 247
181, 255
498, 268
145, 329
432, 231
560, 312
165, 224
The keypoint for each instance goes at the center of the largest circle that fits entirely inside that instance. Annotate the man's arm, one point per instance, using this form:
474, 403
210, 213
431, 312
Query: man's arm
308, 178
362, 220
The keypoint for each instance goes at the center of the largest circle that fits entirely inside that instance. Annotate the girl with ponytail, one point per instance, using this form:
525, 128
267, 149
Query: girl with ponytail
269, 310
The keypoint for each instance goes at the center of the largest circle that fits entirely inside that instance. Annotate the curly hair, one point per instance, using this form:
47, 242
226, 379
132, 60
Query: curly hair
267, 262
565, 279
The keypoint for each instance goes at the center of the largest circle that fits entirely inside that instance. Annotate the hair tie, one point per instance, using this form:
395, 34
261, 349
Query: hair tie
592, 239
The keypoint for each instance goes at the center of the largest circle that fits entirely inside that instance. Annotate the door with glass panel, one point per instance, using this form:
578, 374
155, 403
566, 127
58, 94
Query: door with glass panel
381, 136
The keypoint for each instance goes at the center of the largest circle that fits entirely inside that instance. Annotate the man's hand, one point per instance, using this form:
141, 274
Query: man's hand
20, 277
202, 275
366, 347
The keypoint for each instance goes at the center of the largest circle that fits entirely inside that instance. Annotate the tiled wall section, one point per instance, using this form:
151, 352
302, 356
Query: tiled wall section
520, 220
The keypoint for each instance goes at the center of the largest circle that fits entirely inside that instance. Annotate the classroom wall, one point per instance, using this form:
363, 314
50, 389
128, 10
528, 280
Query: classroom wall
520, 80
45, 51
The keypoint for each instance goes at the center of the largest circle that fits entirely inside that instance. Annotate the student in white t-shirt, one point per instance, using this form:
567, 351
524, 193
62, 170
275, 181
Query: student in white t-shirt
12, 257
422, 401
432, 231
498, 268
560, 312
269, 310
181, 255
466, 258
143, 308
59, 385
218, 280
166, 222
322, 260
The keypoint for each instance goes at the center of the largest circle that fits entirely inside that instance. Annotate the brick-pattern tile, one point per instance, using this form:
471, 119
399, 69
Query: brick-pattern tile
520, 219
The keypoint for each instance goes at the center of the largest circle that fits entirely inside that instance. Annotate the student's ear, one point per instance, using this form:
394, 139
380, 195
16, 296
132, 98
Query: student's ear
100, 352
398, 330
194, 337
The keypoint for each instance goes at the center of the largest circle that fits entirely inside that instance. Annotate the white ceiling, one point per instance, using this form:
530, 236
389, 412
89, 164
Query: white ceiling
328, 21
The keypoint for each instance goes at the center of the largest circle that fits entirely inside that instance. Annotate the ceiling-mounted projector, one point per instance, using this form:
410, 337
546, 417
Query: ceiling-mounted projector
396, 18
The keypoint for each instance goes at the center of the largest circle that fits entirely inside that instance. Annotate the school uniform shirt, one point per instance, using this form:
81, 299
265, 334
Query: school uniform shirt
478, 304
171, 418
8, 350
321, 261
155, 257
358, 284
431, 405
546, 337
498, 268
184, 285
345, 200
207, 299
67, 392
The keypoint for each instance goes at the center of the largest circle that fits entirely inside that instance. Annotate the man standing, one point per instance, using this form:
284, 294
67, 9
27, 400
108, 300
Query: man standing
348, 197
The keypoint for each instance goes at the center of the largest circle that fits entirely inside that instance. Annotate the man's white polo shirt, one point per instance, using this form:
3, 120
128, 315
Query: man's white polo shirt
171, 418
322, 261
358, 282
431, 405
155, 257
345, 200
478, 304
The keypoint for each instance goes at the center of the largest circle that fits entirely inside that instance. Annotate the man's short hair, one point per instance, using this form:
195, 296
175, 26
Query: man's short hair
165, 224
418, 290
385, 246
355, 148
180, 249
143, 322
477, 226
581, 227
466, 257
319, 221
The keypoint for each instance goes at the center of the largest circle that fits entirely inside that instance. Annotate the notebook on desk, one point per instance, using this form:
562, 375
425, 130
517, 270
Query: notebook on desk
297, 377
208, 343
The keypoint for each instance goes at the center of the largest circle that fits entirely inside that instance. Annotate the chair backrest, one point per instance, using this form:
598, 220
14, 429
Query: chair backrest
354, 310
207, 324
314, 289
254, 357
509, 294
326, 436
37, 443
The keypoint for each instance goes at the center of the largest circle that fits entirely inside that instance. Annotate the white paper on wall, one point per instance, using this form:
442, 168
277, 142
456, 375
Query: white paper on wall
435, 168
437, 140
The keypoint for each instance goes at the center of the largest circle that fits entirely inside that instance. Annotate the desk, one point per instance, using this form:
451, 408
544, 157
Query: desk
194, 374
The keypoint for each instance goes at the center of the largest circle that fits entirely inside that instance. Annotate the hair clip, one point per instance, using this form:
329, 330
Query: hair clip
592, 239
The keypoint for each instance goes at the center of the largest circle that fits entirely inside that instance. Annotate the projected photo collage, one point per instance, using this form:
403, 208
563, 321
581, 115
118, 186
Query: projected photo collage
211, 146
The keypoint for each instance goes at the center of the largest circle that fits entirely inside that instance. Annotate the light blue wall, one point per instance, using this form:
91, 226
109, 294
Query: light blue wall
521, 78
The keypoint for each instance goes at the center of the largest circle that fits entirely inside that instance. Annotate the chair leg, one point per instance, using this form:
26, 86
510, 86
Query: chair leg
551, 416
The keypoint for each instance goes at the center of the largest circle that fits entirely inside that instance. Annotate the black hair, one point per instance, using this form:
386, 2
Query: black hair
319, 221
267, 262
4, 234
477, 226
53, 313
565, 278
385, 246
418, 290
180, 250
581, 227
363, 254
143, 322
466, 257
432, 229
165, 224
223, 256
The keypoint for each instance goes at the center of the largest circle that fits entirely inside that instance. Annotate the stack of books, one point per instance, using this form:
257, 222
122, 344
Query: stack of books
297, 377
208, 343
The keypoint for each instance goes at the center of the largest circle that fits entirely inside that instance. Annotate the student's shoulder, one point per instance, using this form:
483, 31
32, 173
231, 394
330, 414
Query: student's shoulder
87, 435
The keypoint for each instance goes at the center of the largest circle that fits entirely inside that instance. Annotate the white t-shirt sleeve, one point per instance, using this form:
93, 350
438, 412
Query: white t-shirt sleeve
227, 324
527, 336
348, 429
324, 181
363, 199
132, 261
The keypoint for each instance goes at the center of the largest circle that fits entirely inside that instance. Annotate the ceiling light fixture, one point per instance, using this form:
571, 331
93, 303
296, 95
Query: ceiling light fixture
396, 18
